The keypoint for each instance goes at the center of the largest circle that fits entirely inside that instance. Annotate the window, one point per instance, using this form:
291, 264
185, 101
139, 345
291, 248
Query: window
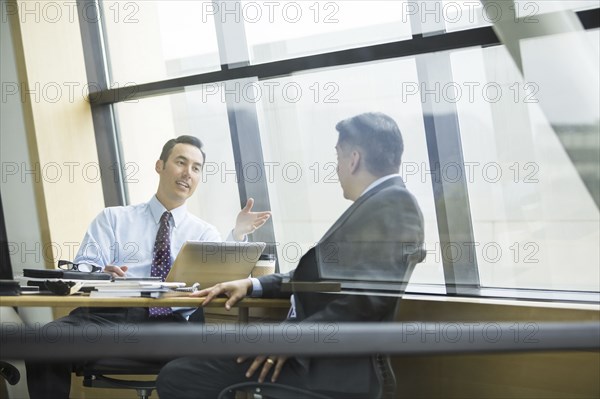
526, 134
145, 125
289, 29
536, 222
155, 40
298, 135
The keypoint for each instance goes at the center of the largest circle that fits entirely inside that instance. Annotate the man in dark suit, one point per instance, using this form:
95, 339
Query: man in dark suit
368, 242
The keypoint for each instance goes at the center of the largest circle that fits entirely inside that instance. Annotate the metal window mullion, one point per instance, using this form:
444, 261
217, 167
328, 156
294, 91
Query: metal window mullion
109, 153
243, 122
451, 197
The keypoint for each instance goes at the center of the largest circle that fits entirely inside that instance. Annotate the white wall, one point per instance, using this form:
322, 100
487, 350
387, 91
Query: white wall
18, 197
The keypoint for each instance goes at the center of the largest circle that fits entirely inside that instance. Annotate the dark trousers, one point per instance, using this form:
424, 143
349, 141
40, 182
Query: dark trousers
53, 380
206, 378
196, 378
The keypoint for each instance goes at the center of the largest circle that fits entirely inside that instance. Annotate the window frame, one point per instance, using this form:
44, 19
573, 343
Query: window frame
453, 216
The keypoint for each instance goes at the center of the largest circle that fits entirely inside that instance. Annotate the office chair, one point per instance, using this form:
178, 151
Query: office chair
269, 390
95, 373
382, 363
9, 372
384, 373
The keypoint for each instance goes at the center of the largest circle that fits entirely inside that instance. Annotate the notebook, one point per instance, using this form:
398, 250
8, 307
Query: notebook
210, 263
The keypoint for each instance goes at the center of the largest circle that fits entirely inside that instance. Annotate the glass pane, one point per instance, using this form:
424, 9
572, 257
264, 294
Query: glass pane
530, 9
144, 127
535, 220
298, 135
464, 14
469, 14
570, 106
155, 40
289, 29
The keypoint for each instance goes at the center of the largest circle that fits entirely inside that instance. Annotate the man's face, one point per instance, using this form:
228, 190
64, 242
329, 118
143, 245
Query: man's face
180, 174
344, 167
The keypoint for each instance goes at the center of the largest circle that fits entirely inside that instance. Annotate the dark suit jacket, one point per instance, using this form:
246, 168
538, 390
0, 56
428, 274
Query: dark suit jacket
368, 242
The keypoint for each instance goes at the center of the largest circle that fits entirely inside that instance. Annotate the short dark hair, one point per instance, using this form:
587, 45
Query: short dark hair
378, 136
185, 139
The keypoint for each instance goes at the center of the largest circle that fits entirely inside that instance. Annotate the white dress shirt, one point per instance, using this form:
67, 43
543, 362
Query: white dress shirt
125, 235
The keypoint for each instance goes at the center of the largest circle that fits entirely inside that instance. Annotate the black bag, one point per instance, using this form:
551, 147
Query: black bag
65, 274
9, 288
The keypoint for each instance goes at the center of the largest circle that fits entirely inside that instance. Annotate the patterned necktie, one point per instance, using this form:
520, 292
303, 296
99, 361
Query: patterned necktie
161, 259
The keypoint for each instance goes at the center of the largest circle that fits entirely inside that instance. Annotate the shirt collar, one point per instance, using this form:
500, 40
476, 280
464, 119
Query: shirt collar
157, 209
378, 182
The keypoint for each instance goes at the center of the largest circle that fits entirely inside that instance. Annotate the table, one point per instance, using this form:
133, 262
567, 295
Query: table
85, 301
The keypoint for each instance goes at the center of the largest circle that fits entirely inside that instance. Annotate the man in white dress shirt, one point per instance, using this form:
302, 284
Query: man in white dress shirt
121, 241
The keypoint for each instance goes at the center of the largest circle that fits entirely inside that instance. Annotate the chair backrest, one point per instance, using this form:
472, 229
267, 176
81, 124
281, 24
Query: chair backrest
383, 363
413, 259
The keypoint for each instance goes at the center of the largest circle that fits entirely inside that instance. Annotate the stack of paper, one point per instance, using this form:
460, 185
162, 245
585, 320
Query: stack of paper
120, 289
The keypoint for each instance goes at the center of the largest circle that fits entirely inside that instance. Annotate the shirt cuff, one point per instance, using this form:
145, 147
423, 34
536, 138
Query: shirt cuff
257, 289
231, 239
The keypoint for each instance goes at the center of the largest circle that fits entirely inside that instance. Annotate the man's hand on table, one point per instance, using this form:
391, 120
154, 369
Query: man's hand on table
234, 290
115, 271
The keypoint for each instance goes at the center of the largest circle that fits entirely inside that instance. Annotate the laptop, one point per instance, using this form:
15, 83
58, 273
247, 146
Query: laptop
210, 263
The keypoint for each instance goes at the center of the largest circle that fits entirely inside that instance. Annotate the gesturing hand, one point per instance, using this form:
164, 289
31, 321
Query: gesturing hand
248, 222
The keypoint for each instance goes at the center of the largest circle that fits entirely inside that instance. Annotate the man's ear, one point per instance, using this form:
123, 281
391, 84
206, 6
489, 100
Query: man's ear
354, 161
159, 166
